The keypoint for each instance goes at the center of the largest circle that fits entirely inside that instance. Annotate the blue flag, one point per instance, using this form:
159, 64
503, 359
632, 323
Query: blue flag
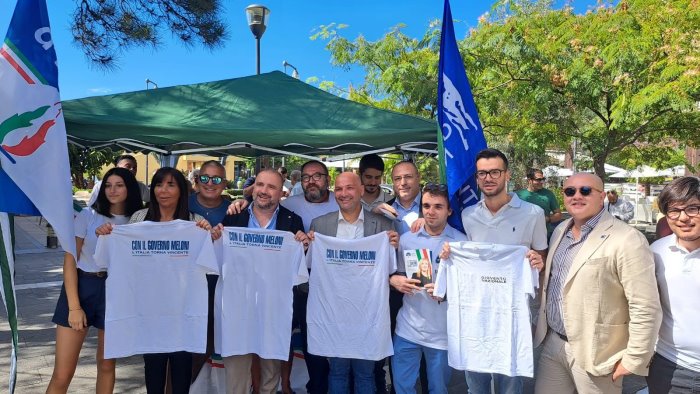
462, 134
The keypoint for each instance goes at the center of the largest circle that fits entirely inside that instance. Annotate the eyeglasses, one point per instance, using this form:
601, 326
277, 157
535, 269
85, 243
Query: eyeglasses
435, 187
539, 179
584, 190
214, 179
316, 177
690, 211
495, 174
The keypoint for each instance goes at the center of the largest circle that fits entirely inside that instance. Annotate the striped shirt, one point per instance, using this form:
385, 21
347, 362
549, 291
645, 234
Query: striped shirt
562, 259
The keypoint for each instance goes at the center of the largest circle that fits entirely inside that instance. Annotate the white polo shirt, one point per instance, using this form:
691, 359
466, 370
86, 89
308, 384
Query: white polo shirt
516, 223
678, 277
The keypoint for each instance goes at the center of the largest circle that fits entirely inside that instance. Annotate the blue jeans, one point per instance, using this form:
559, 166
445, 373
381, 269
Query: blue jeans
406, 363
339, 376
480, 383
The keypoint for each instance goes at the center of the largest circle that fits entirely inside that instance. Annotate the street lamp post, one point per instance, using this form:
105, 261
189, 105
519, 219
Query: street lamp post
257, 21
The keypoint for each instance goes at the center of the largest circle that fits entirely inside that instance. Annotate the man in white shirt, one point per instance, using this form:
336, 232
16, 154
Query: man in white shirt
675, 367
371, 173
287, 187
619, 208
502, 218
351, 221
421, 324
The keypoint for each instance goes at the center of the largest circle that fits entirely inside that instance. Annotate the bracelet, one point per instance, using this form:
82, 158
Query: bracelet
73, 310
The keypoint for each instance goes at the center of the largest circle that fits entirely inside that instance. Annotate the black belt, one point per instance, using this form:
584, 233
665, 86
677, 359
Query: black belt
98, 274
562, 336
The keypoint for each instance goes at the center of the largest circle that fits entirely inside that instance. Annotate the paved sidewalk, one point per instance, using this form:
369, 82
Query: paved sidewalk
38, 282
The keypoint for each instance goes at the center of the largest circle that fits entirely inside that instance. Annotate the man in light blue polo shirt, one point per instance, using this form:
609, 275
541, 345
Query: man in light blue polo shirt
421, 324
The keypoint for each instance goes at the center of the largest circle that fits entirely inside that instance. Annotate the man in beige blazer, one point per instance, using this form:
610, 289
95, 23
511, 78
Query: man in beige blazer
600, 312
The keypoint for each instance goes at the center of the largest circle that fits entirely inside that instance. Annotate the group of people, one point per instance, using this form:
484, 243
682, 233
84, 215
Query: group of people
602, 303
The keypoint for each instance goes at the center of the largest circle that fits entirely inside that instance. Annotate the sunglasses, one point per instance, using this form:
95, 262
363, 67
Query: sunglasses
214, 179
584, 190
435, 187
539, 179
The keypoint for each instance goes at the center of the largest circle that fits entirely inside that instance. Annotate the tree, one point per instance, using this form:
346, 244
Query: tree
617, 78
88, 162
103, 28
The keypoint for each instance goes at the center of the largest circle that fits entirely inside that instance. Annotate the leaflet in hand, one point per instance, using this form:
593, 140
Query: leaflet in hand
418, 263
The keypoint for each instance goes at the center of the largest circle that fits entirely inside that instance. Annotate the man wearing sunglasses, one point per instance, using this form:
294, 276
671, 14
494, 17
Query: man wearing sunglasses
537, 194
208, 202
675, 367
600, 311
501, 218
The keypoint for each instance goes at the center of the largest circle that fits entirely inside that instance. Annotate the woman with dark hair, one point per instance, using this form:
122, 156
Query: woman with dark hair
169, 201
82, 300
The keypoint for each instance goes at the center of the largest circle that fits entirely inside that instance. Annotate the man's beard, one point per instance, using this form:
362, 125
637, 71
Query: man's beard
315, 194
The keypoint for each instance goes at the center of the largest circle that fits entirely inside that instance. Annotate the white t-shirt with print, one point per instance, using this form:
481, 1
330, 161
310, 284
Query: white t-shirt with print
86, 222
253, 303
156, 291
488, 319
348, 308
421, 319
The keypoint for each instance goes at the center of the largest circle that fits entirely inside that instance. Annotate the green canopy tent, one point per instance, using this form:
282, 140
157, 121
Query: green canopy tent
251, 116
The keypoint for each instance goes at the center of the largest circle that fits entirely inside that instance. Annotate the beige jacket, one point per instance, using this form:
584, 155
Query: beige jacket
611, 302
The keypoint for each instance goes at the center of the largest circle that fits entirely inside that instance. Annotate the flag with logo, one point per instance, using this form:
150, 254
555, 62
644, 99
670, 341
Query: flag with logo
461, 131
34, 167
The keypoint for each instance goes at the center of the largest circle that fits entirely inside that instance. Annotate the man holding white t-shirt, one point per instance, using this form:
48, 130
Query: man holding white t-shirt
501, 218
264, 213
352, 222
421, 324
316, 200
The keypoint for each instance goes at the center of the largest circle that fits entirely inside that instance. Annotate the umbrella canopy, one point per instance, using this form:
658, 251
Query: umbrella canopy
639, 172
675, 172
250, 116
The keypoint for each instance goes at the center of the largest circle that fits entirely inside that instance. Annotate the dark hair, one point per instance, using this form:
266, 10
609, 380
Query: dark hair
133, 193
213, 163
182, 210
436, 190
124, 157
530, 172
282, 170
490, 153
314, 162
372, 161
680, 190
613, 192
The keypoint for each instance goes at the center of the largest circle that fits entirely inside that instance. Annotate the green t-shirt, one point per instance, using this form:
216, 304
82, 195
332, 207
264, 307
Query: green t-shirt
544, 199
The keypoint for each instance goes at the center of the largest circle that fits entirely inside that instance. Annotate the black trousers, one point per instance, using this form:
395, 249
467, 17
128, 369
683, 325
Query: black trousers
317, 366
156, 368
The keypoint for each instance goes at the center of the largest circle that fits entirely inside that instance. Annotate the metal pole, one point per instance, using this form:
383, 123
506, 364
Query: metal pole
257, 45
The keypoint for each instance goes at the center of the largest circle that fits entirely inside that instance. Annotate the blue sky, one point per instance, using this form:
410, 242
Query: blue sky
287, 38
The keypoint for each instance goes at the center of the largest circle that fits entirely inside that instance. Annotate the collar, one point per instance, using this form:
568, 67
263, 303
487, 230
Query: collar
589, 225
250, 210
360, 219
414, 204
514, 202
447, 232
